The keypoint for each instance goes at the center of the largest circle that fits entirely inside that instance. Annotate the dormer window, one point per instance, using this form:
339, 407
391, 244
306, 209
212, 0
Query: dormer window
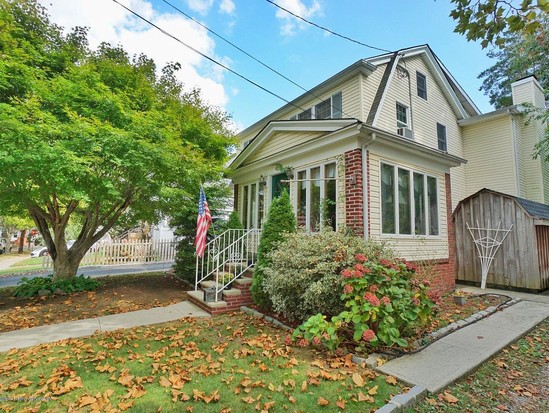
327, 109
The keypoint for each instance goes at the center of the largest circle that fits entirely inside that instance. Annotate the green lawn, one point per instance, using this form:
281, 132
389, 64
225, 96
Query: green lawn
233, 363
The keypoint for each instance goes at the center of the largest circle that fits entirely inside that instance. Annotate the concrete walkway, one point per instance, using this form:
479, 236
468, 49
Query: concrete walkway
462, 351
81, 328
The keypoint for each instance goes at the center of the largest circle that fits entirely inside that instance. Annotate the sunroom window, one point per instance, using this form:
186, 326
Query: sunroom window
316, 197
253, 205
409, 202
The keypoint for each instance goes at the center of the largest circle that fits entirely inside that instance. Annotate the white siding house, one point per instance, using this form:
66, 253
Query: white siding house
391, 144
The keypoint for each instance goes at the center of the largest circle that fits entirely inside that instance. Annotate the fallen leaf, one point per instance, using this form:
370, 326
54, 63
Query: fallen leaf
365, 398
86, 400
322, 401
358, 380
341, 404
373, 390
304, 386
450, 398
391, 380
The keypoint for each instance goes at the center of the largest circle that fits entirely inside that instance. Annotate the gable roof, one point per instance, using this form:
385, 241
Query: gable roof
362, 66
461, 103
309, 125
536, 210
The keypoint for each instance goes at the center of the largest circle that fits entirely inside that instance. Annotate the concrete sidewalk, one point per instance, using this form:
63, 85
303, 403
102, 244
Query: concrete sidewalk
81, 328
462, 351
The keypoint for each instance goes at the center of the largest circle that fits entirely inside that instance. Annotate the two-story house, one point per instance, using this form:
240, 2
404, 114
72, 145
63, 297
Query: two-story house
382, 148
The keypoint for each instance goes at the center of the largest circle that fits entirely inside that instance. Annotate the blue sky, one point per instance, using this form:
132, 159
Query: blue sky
303, 53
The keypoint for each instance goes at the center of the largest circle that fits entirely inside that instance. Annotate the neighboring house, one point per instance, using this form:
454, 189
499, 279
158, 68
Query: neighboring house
382, 148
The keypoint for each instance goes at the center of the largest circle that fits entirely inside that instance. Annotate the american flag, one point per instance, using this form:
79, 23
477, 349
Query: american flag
202, 224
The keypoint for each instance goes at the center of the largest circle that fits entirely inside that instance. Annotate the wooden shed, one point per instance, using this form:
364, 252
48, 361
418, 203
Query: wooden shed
522, 260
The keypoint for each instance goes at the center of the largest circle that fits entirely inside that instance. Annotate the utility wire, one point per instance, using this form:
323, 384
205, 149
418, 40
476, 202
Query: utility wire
328, 30
307, 91
207, 57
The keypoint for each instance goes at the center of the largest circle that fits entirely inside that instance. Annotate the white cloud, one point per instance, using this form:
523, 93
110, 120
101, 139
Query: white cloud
291, 24
109, 22
227, 6
200, 6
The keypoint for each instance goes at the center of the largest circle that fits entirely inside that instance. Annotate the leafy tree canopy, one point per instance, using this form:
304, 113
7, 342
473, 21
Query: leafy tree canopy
489, 20
520, 55
89, 136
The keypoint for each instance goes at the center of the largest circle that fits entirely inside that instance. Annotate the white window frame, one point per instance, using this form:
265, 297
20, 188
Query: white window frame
411, 200
248, 204
401, 124
312, 109
307, 184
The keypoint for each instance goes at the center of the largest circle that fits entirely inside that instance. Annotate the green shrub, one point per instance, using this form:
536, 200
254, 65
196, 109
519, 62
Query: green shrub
234, 221
280, 221
32, 287
384, 303
304, 278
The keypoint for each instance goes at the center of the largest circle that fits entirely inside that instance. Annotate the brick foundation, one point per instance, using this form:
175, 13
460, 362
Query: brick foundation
354, 205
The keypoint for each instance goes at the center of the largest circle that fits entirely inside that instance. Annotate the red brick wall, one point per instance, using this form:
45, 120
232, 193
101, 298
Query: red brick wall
354, 209
442, 273
233, 302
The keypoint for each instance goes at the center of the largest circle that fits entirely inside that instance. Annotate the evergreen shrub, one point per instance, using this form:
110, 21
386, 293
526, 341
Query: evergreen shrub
280, 221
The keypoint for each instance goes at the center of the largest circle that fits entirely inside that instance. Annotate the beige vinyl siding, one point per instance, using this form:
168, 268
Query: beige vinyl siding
489, 150
425, 114
350, 98
280, 141
409, 247
534, 179
519, 156
457, 182
370, 85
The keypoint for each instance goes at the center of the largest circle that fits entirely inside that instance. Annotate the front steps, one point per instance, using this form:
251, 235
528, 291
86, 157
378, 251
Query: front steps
232, 299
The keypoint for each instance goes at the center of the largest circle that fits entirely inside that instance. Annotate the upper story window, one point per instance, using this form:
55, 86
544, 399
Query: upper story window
421, 81
441, 136
401, 116
330, 108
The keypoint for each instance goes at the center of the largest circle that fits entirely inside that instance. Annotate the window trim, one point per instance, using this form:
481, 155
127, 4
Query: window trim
424, 88
400, 124
411, 200
247, 215
439, 128
338, 96
307, 185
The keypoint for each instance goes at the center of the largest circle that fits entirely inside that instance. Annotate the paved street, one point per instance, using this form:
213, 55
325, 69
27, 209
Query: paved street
97, 271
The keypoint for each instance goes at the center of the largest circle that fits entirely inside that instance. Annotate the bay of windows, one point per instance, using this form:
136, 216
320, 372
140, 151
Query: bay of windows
409, 202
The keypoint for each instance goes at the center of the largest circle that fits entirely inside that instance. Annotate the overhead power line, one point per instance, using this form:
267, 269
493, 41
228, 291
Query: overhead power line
307, 91
328, 30
208, 57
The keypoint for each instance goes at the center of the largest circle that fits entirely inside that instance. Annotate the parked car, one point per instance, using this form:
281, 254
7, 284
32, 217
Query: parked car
41, 251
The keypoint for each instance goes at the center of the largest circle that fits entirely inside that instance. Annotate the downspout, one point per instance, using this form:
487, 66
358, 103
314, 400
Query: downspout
365, 186
515, 150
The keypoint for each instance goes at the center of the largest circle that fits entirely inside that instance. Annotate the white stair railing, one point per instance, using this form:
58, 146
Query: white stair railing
227, 257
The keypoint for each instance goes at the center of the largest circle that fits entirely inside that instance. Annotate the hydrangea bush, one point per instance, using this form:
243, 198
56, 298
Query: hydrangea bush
384, 302
303, 276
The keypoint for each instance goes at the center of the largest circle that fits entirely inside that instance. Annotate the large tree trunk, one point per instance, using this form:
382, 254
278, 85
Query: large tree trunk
64, 269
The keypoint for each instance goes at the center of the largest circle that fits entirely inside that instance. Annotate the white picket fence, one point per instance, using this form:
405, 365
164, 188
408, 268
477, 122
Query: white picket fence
126, 252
